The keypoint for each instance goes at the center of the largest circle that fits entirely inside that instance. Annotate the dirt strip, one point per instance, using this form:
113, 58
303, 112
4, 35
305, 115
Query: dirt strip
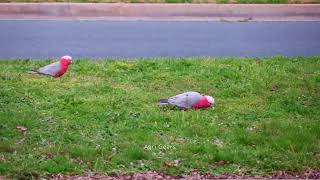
150, 12
310, 174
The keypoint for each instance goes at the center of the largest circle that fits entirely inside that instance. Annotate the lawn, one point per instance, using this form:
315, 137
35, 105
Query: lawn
103, 116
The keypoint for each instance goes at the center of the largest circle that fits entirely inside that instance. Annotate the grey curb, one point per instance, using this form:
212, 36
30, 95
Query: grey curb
196, 12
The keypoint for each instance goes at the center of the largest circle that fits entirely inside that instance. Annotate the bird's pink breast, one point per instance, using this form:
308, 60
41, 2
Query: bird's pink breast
64, 67
202, 103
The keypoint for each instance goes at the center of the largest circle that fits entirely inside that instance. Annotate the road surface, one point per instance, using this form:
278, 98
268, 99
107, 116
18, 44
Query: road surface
133, 39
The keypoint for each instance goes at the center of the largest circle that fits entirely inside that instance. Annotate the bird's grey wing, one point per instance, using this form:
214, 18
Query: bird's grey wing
51, 69
185, 100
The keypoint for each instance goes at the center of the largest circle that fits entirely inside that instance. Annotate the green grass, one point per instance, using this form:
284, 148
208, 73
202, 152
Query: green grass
103, 116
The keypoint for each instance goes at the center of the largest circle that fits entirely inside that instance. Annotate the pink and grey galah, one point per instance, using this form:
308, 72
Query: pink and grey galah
56, 69
189, 100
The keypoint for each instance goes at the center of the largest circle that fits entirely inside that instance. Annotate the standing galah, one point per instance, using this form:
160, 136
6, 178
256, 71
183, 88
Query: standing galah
56, 69
189, 100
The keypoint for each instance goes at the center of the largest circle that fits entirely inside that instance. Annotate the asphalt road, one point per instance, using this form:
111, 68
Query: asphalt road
98, 39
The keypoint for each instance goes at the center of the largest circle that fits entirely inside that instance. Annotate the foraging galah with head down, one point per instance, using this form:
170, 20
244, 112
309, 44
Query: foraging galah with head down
189, 100
56, 69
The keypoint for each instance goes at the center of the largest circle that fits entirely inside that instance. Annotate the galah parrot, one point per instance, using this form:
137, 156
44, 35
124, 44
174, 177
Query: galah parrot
56, 69
189, 100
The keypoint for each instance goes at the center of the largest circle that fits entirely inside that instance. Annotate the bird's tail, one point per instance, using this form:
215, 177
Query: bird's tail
33, 72
36, 72
163, 101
